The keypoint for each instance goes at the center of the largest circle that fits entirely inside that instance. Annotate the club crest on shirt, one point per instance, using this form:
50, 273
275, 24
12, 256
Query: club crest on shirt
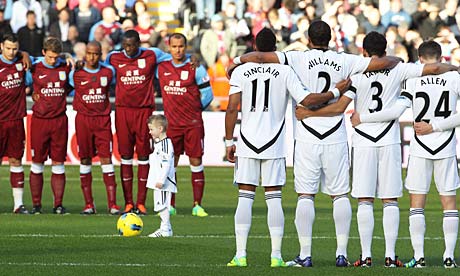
104, 81
62, 75
184, 75
19, 66
141, 63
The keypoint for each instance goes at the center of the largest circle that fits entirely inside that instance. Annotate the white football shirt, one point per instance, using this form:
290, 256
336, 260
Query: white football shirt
320, 71
162, 169
374, 91
433, 98
265, 90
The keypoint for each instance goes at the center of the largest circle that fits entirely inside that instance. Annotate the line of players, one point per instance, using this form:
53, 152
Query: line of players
319, 82
132, 71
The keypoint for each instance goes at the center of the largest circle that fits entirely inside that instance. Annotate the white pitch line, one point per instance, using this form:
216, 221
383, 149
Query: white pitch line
190, 236
110, 264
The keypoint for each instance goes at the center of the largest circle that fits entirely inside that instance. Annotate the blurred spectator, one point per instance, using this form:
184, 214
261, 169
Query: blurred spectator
122, 11
139, 8
395, 15
256, 15
54, 10
310, 12
219, 83
426, 20
4, 25
301, 27
7, 7
159, 37
106, 49
447, 15
205, 9
72, 4
238, 27
72, 39
101, 4
31, 37
84, 17
217, 42
455, 57
128, 24
60, 28
280, 31
373, 23
286, 13
79, 50
446, 39
392, 40
144, 28
401, 52
356, 46
19, 16
412, 41
239, 4
110, 26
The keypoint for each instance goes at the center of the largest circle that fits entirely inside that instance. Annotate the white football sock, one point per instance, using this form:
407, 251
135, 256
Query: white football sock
243, 216
417, 231
165, 222
365, 218
17, 196
450, 227
304, 218
390, 227
342, 219
275, 221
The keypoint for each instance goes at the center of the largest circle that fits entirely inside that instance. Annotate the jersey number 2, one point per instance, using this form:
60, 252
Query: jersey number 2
442, 104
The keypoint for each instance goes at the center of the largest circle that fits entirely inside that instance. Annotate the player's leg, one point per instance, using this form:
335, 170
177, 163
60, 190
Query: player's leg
194, 148
162, 201
58, 153
447, 183
365, 164
273, 179
247, 175
17, 185
143, 150
389, 190
126, 142
177, 138
86, 180
336, 184
419, 172
307, 176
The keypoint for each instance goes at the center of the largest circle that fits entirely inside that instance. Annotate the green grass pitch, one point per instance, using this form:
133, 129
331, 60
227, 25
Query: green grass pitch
73, 244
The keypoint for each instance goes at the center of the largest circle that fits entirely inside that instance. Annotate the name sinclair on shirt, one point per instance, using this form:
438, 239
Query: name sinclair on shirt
372, 73
318, 61
261, 70
433, 80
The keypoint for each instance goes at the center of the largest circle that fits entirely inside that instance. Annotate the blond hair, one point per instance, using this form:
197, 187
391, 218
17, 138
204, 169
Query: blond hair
158, 119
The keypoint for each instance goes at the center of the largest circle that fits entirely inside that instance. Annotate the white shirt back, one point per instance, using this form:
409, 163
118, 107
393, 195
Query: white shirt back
264, 97
373, 92
433, 98
320, 71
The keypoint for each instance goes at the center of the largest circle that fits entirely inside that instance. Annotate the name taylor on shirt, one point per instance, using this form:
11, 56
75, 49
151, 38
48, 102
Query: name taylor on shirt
261, 70
319, 61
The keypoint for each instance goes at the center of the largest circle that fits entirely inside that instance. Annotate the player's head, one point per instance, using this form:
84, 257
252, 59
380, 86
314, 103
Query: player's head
131, 42
265, 41
429, 52
10, 46
157, 125
52, 48
93, 54
177, 46
374, 44
319, 33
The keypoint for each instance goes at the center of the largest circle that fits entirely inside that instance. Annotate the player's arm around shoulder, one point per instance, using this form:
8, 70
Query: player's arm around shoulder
231, 115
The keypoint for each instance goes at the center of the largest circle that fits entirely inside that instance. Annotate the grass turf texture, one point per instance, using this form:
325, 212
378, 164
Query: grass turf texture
73, 244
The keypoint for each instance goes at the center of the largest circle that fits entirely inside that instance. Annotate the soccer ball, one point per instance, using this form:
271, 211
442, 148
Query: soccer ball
129, 225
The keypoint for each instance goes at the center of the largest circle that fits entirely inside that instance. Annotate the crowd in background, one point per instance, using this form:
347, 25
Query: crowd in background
221, 30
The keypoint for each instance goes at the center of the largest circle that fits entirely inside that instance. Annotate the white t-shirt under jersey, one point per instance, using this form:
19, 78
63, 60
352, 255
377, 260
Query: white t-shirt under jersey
320, 71
264, 96
433, 98
373, 92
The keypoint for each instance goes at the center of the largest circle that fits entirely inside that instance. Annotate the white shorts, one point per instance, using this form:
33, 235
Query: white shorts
328, 164
377, 172
250, 171
420, 170
161, 200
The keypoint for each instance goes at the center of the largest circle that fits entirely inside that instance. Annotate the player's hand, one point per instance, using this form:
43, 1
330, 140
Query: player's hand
35, 97
423, 128
79, 65
26, 61
194, 61
230, 69
301, 112
159, 185
69, 60
355, 120
231, 154
343, 85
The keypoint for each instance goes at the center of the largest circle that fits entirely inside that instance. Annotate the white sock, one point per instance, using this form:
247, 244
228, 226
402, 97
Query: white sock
17, 196
390, 227
365, 218
243, 216
450, 227
417, 231
275, 221
165, 224
342, 219
304, 218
